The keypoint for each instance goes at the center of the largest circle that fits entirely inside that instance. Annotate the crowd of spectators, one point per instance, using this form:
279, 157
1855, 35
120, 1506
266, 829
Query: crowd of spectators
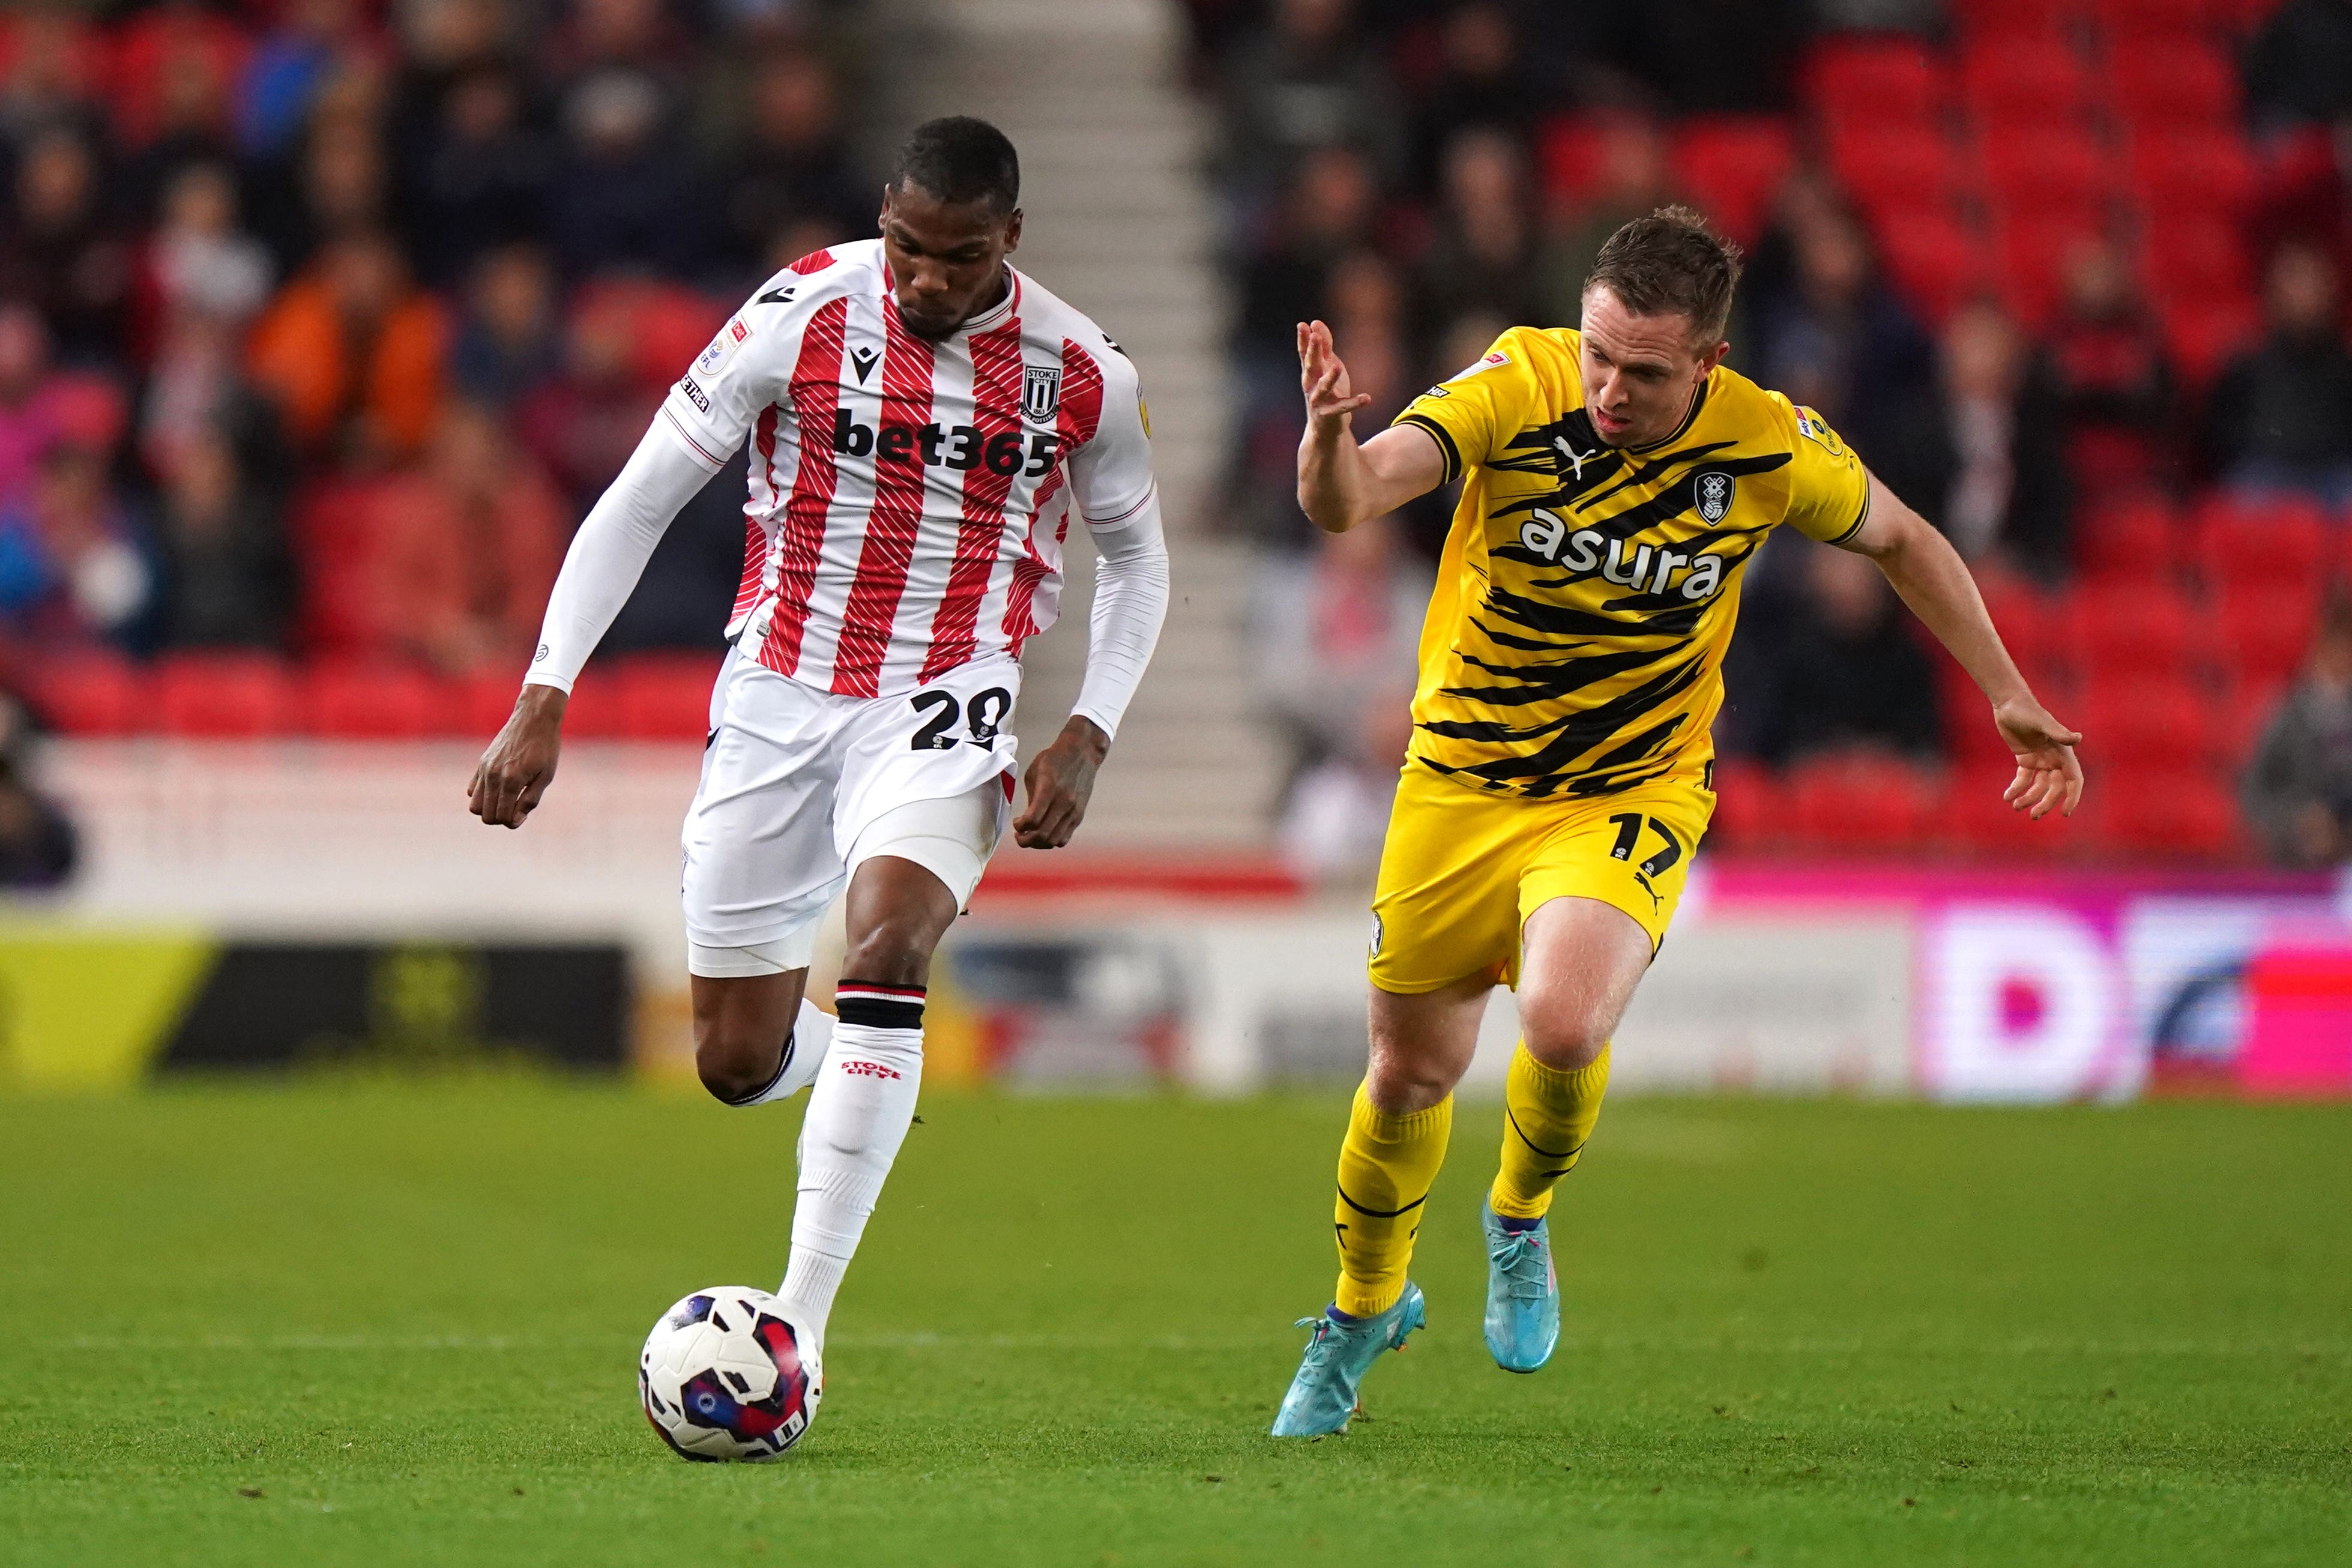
323, 321
2055, 267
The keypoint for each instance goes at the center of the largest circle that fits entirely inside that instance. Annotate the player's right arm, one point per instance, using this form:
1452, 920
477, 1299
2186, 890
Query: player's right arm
1340, 481
705, 417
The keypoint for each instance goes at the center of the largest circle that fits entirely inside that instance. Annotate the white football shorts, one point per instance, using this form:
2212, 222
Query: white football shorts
801, 786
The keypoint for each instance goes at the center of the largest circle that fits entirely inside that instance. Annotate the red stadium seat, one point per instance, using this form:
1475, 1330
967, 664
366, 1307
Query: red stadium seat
2155, 721
665, 697
1751, 808
1978, 822
1568, 155
2282, 543
1982, 19
2173, 82
372, 703
226, 695
2032, 251
2026, 620
2131, 21
2197, 256
1731, 165
594, 712
2181, 814
2204, 335
477, 707
2130, 631
1896, 166
93, 693
2182, 169
1874, 79
2033, 172
1862, 802
2261, 636
1935, 262
2019, 81
2138, 541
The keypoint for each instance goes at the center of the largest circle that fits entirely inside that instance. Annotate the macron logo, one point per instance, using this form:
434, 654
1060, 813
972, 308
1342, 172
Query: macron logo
869, 1069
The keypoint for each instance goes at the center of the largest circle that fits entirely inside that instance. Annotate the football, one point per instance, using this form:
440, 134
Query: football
726, 1373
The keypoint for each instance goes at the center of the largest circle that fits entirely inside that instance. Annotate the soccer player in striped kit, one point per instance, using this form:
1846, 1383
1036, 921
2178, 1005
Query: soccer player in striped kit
926, 426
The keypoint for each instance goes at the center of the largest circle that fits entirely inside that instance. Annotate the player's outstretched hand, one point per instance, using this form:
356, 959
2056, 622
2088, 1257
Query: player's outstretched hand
2047, 773
1323, 377
521, 763
1060, 781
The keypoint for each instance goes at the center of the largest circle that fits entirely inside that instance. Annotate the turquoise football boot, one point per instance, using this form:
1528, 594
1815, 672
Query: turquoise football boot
1322, 1398
1522, 1294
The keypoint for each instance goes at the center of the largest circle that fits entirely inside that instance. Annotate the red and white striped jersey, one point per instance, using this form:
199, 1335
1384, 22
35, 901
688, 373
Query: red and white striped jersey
909, 499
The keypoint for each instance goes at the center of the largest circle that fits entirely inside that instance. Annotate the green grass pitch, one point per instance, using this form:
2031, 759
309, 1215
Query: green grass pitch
337, 1322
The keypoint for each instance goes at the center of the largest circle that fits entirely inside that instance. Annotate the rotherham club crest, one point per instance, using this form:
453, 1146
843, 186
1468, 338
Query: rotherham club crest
1041, 392
1714, 495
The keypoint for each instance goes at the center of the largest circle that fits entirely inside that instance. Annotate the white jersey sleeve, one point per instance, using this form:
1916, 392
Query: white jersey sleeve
1110, 476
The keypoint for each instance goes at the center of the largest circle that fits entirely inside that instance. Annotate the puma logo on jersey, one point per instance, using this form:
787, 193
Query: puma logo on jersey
1576, 459
1645, 569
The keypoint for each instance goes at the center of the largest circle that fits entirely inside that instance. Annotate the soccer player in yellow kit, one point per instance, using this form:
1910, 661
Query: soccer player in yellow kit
1619, 478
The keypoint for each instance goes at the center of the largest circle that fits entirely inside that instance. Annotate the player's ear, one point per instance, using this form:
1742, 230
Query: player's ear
1714, 356
1013, 232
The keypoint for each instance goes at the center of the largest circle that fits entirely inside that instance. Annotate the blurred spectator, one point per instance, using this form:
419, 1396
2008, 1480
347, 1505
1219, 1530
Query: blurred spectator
1484, 256
2298, 791
1836, 338
191, 125
46, 83
2299, 67
351, 352
483, 178
1988, 464
37, 842
584, 424
1482, 83
508, 345
73, 566
195, 388
1305, 80
290, 64
226, 577
2281, 414
63, 253
1633, 183
1336, 629
28, 401
1330, 210
793, 168
460, 555
2105, 360
1850, 673
1334, 626
621, 197
199, 259
1717, 57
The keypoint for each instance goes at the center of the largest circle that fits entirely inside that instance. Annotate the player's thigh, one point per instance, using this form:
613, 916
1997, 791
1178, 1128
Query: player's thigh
761, 866
1445, 910
1582, 960
745, 1010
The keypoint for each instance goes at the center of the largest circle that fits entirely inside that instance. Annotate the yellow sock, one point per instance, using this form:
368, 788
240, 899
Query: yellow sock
1546, 1117
1385, 1167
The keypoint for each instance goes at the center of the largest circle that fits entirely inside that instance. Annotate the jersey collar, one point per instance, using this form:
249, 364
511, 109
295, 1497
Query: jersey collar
1004, 310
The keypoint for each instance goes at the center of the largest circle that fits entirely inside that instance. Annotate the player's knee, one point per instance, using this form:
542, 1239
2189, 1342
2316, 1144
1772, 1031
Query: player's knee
731, 1064
896, 950
1565, 1039
1400, 1084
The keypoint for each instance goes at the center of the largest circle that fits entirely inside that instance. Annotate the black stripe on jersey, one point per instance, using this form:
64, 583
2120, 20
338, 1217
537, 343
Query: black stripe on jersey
1858, 521
1552, 679
1444, 442
1578, 732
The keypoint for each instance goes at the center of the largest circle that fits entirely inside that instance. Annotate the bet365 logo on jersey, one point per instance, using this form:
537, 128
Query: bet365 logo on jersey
1644, 569
948, 445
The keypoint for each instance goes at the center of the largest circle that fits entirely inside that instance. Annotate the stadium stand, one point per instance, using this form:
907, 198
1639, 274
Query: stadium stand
2102, 172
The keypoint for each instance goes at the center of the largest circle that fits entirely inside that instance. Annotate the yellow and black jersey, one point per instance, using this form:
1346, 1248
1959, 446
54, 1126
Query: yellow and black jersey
1574, 645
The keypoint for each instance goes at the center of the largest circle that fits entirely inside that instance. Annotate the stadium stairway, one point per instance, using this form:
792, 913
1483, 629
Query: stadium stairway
1118, 223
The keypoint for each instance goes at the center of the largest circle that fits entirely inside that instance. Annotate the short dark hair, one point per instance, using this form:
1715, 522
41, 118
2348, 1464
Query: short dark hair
958, 158
1671, 263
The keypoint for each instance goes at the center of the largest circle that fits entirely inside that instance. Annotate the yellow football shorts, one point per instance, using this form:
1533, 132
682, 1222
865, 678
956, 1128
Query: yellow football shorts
1461, 871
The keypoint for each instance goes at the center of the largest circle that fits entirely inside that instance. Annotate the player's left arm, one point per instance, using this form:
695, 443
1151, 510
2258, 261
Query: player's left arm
1111, 487
1934, 582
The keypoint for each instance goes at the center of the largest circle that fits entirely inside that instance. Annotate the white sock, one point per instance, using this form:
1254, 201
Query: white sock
804, 1050
857, 1115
